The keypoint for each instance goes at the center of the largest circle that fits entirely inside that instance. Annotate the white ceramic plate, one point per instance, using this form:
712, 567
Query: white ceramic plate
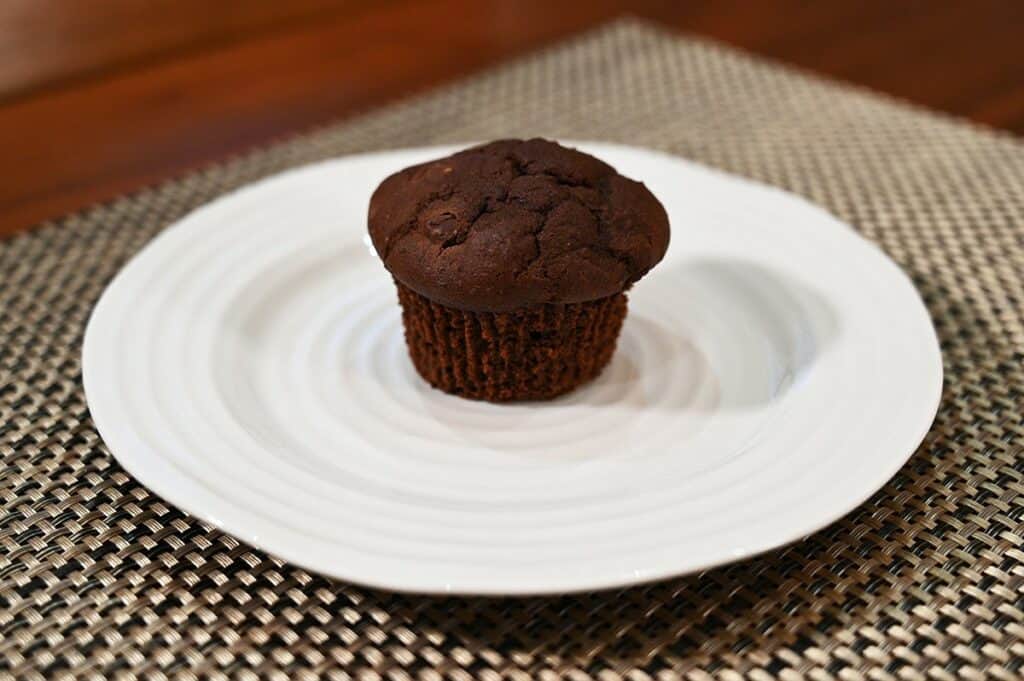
248, 365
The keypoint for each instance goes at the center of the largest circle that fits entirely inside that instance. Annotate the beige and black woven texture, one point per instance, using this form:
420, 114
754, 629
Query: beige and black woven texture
100, 578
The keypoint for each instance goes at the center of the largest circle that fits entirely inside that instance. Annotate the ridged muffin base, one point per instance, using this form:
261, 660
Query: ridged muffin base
535, 353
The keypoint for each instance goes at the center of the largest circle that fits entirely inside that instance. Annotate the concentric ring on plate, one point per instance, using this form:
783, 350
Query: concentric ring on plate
773, 372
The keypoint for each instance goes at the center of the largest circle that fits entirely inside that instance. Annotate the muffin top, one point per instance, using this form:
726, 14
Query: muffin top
516, 223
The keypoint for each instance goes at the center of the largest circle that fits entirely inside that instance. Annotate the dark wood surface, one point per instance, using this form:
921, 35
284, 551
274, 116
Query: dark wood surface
102, 97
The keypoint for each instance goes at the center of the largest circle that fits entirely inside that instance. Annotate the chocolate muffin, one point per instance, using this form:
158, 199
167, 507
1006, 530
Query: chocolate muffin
512, 260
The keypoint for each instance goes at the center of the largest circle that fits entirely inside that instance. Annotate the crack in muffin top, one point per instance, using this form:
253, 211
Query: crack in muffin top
516, 223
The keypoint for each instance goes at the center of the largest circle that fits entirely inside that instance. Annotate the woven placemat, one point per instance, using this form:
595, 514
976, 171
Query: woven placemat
100, 578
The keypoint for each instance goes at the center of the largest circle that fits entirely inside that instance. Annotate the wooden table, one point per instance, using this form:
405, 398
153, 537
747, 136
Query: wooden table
99, 98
